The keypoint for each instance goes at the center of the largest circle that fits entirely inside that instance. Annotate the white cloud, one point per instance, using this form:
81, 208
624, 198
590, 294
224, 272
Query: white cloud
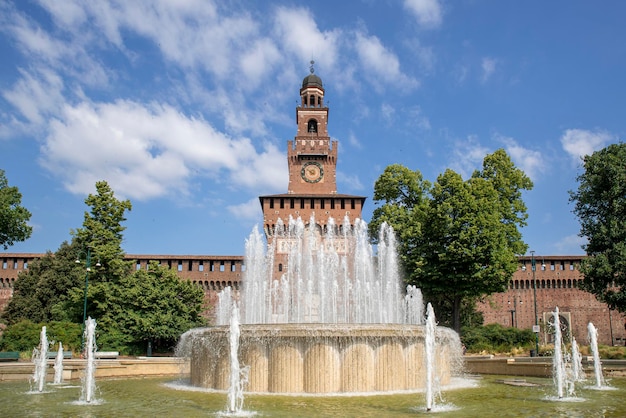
149, 151
387, 112
529, 161
36, 95
352, 182
571, 244
427, 12
488, 66
381, 63
249, 210
354, 141
579, 142
298, 33
468, 156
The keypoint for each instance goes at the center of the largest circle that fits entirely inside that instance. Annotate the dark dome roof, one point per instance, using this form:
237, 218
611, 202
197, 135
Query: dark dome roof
312, 80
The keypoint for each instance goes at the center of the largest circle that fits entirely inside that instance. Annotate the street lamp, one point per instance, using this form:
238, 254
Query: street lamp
536, 327
87, 271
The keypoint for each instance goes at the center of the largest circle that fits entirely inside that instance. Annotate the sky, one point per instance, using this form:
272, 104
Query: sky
185, 107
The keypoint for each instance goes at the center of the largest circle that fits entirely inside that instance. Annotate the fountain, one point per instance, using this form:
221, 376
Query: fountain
40, 358
58, 366
337, 321
559, 366
238, 376
578, 373
597, 365
88, 379
429, 344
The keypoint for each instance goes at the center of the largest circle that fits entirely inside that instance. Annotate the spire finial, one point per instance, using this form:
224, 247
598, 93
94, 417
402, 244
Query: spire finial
311, 67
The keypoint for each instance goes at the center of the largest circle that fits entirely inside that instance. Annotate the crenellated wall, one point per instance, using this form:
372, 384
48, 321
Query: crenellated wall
556, 278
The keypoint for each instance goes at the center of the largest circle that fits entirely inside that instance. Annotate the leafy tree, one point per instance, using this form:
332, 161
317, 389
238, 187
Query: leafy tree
131, 308
102, 234
40, 292
600, 205
151, 306
405, 196
13, 217
458, 239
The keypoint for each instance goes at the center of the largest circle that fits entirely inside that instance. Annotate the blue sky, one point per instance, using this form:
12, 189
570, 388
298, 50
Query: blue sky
185, 107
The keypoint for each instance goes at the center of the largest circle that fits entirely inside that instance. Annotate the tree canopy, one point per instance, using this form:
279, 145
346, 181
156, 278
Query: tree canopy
13, 217
131, 306
458, 239
600, 205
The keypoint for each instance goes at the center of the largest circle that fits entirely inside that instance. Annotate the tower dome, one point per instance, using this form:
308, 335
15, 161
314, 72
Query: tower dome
312, 80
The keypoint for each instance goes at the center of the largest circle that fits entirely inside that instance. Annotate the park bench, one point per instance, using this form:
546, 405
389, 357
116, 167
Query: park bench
106, 354
9, 355
66, 354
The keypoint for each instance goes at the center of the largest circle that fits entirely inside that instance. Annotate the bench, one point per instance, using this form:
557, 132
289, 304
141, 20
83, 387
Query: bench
106, 354
53, 354
9, 355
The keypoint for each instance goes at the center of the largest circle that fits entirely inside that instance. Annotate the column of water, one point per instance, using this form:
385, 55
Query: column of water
89, 381
557, 361
58, 365
429, 349
40, 358
597, 365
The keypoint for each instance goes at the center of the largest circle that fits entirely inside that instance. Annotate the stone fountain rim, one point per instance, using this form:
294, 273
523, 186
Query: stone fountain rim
323, 330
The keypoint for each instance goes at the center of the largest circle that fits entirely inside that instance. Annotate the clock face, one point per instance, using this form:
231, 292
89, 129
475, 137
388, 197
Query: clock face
312, 172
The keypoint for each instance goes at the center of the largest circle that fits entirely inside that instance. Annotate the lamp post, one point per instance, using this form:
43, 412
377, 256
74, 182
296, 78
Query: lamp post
87, 271
536, 327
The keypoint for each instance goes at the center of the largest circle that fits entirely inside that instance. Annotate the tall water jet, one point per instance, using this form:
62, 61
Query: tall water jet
237, 375
578, 373
429, 350
58, 365
597, 365
558, 367
88, 380
40, 358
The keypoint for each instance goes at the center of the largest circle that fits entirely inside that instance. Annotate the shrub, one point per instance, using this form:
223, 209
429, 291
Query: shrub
494, 338
25, 335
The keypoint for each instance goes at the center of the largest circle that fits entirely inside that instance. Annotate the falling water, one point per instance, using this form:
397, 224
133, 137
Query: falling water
58, 365
557, 359
578, 374
429, 349
597, 365
330, 276
559, 365
88, 380
237, 375
40, 358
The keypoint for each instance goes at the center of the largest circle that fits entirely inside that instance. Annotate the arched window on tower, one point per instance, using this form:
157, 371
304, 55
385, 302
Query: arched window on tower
312, 126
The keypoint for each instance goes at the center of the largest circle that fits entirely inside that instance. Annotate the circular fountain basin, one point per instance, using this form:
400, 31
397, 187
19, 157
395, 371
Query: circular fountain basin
322, 358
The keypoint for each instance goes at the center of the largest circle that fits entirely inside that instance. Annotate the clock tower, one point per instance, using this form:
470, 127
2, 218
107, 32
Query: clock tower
312, 162
312, 156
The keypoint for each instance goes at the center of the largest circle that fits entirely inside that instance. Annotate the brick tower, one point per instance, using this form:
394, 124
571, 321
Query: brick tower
312, 162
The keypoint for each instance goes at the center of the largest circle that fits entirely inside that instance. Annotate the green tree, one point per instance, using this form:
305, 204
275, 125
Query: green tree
404, 194
151, 306
41, 290
102, 235
13, 217
600, 205
458, 239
